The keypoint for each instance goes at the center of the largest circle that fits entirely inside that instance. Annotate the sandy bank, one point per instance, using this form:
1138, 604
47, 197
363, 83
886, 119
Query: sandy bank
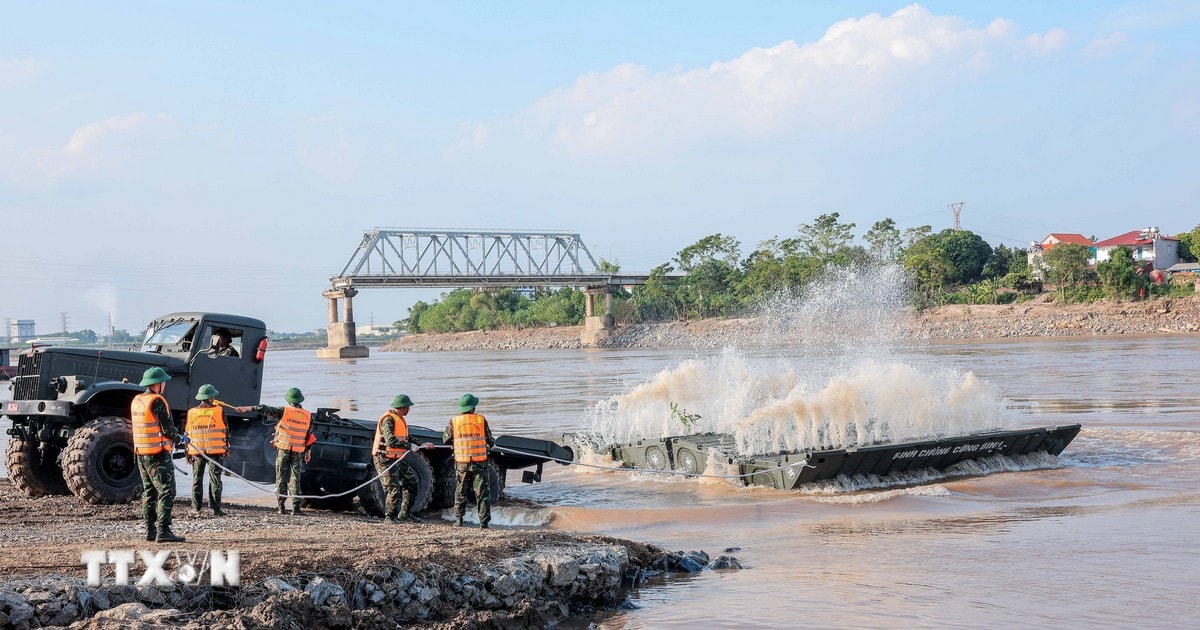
1174, 316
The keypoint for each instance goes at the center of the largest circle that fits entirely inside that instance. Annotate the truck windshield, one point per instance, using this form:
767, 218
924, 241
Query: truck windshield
173, 334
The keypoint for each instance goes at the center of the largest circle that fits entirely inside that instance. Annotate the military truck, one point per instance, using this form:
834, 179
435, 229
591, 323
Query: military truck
70, 406
71, 431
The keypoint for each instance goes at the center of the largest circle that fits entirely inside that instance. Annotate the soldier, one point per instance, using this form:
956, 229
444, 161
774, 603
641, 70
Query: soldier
154, 436
224, 337
293, 438
472, 437
209, 436
391, 443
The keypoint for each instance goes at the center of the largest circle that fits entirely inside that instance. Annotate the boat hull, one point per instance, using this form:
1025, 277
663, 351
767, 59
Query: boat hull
691, 453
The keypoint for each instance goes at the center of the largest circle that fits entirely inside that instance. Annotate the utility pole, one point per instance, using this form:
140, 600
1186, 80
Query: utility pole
956, 208
63, 316
110, 328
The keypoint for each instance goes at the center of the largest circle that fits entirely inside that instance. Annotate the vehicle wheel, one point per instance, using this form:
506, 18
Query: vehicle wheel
372, 498
420, 464
448, 480
100, 465
656, 459
34, 469
687, 462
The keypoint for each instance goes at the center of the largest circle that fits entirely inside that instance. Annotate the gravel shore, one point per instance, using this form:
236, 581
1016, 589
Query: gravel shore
323, 570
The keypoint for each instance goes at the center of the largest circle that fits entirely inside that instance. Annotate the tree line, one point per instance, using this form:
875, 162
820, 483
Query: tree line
712, 277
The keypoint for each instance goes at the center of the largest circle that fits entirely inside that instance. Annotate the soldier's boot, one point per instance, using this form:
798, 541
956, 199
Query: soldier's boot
406, 510
391, 518
166, 536
197, 503
458, 520
283, 506
151, 532
217, 511
296, 511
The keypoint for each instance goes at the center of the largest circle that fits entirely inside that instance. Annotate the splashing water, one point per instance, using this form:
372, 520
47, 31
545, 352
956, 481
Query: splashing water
830, 380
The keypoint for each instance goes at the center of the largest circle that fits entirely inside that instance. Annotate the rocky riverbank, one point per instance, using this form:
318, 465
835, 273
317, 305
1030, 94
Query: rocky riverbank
325, 570
1040, 319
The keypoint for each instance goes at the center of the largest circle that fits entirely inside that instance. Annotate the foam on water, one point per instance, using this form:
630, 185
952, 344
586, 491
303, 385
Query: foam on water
829, 379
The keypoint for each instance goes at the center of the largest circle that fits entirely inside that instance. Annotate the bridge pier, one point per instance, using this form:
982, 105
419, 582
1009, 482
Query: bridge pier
596, 328
342, 337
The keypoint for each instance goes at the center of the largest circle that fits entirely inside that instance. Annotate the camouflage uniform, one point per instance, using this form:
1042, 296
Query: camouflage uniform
158, 474
199, 465
400, 483
288, 468
468, 472
289, 465
482, 487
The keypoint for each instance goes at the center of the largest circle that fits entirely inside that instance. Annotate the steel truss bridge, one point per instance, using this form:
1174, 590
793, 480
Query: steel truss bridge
473, 258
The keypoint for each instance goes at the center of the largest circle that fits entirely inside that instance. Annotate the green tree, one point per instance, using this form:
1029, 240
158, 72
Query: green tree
950, 257
1189, 245
1067, 267
1119, 277
914, 235
610, 268
827, 238
884, 241
656, 300
998, 263
712, 275
86, 335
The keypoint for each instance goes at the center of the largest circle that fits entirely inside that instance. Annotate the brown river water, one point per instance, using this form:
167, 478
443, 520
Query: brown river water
1106, 535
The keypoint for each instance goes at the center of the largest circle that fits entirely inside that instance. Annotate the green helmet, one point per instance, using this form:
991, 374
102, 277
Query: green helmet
206, 392
467, 403
154, 375
294, 396
401, 401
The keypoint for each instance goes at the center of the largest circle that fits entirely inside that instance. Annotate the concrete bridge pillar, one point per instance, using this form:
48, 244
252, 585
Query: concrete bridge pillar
342, 337
596, 328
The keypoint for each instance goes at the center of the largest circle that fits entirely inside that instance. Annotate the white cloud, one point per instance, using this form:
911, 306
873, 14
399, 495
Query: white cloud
1102, 47
108, 146
18, 72
850, 78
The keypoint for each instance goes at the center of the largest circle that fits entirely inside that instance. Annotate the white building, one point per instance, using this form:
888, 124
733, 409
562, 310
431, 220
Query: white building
1146, 245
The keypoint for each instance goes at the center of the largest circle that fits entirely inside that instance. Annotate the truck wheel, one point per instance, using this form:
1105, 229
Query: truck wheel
687, 462
448, 480
100, 462
34, 470
374, 501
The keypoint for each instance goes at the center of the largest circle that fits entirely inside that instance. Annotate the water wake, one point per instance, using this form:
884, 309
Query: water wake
829, 378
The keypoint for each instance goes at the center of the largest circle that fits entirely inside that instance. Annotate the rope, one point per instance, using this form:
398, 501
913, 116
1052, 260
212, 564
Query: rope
303, 496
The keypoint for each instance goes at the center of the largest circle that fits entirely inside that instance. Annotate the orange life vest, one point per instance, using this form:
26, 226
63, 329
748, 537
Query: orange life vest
148, 437
399, 429
292, 430
207, 430
470, 438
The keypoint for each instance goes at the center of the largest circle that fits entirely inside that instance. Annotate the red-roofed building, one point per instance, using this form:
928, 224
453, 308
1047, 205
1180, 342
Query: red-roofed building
1146, 245
1037, 266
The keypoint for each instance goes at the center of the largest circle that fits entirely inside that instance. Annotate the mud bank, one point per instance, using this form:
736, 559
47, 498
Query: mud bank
323, 570
1177, 315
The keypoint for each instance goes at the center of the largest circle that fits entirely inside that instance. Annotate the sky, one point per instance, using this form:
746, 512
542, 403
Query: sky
223, 156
